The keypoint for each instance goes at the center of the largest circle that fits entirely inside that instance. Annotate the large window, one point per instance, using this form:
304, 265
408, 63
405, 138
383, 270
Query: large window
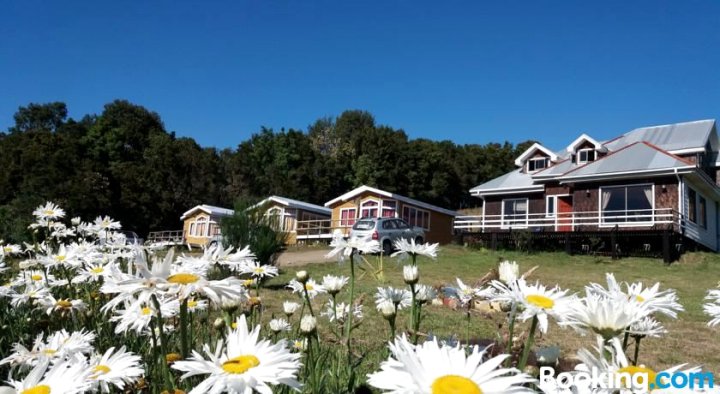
697, 208
622, 204
389, 208
199, 228
417, 217
537, 164
692, 205
702, 212
347, 217
550, 204
369, 209
515, 212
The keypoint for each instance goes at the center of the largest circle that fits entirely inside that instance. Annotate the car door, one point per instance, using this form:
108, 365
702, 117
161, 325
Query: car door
403, 229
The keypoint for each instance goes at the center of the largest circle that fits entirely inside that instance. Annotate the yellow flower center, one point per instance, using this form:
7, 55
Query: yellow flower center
41, 389
259, 270
101, 370
172, 357
36, 277
183, 279
97, 270
233, 325
540, 301
309, 287
192, 303
633, 370
639, 299
146, 311
240, 364
49, 352
7, 249
454, 384
60, 257
105, 223
49, 212
248, 282
66, 304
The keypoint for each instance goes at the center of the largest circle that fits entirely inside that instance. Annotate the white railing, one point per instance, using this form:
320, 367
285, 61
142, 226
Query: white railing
323, 228
171, 236
568, 221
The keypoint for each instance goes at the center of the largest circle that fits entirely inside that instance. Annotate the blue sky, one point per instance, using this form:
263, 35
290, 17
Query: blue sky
471, 72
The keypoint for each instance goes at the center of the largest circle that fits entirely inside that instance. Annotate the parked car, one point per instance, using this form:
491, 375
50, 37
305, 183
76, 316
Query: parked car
386, 231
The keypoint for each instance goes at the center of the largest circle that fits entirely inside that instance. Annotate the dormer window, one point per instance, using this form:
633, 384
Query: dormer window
586, 155
537, 164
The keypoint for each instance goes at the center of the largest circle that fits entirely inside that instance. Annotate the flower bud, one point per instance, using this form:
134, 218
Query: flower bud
411, 274
290, 307
387, 309
218, 323
308, 324
302, 276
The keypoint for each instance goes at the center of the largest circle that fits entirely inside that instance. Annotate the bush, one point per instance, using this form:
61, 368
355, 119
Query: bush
250, 227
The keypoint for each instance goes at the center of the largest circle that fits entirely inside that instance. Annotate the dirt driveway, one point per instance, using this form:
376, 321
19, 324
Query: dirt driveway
297, 257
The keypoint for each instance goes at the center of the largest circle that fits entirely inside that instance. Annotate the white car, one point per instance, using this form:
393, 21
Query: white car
385, 231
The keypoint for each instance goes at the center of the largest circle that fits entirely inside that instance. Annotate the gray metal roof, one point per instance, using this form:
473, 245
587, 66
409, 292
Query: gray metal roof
297, 204
209, 209
639, 157
672, 137
512, 180
555, 170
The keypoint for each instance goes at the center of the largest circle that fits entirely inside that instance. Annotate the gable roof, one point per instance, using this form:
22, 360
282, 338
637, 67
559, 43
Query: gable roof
637, 158
529, 151
362, 189
296, 204
585, 138
209, 209
515, 180
687, 137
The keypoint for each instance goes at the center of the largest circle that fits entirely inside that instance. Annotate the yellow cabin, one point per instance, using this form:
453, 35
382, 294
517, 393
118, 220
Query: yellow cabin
201, 224
293, 215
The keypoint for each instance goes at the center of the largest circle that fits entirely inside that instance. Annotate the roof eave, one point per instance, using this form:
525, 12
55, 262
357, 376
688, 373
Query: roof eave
626, 175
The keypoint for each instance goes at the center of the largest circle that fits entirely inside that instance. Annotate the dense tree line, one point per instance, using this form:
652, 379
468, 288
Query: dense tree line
123, 162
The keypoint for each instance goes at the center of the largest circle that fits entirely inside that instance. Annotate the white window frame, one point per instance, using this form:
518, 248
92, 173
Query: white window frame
546, 160
195, 224
503, 223
649, 223
552, 198
588, 150
353, 218
377, 207
417, 211
383, 208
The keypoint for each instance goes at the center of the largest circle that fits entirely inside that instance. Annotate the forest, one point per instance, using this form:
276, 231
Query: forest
123, 162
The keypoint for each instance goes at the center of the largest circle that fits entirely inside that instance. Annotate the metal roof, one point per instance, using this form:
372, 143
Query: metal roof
555, 170
513, 180
673, 137
361, 189
637, 158
297, 204
209, 209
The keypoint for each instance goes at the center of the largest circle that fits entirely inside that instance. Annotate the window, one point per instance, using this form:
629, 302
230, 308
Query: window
692, 205
416, 217
401, 224
389, 208
369, 209
514, 212
347, 217
550, 204
389, 225
537, 164
702, 214
621, 204
585, 155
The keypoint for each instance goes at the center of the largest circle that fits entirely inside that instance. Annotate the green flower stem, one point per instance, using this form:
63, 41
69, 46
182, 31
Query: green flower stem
163, 343
528, 344
413, 314
511, 332
349, 322
625, 341
638, 338
184, 348
307, 299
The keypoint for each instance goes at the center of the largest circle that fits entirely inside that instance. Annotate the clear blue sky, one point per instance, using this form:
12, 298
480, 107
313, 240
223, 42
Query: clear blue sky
471, 72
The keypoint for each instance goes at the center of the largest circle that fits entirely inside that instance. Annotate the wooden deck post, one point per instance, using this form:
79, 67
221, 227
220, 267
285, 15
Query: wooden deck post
613, 245
667, 254
493, 240
568, 244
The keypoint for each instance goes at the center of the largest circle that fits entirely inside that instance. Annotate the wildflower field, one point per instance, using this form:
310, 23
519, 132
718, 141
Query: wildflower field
81, 311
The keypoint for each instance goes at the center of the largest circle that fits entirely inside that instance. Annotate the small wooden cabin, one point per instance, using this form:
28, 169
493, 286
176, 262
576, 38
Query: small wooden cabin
201, 224
288, 214
366, 201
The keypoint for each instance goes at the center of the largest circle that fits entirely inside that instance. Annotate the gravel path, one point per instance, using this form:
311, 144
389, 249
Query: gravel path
294, 258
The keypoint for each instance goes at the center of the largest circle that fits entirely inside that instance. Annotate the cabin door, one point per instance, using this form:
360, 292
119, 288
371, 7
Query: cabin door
564, 213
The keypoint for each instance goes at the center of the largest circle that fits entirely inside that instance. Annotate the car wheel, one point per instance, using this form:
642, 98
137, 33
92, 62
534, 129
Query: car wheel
387, 247
418, 240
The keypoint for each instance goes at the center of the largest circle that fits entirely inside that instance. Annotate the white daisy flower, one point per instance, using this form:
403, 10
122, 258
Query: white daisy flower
712, 308
400, 298
664, 302
92, 272
605, 316
508, 271
10, 249
235, 261
63, 306
278, 325
29, 294
311, 286
116, 368
308, 324
105, 223
343, 248
258, 270
195, 305
244, 364
406, 247
647, 327
466, 293
411, 274
536, 300
340, 311
425, 293
137, 315
290, 307
67, 377
49, 211
59, 345
333, 284
430, 369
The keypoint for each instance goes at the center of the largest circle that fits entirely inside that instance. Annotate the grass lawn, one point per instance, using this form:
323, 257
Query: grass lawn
688, 340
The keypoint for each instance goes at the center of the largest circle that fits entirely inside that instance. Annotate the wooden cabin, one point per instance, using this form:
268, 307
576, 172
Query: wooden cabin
201, 224
288, 214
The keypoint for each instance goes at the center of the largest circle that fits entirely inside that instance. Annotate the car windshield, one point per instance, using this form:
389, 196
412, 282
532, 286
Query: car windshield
364, 225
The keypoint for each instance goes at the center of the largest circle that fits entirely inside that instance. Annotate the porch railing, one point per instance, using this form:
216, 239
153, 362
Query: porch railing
568, 221
322, 228
169, 236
